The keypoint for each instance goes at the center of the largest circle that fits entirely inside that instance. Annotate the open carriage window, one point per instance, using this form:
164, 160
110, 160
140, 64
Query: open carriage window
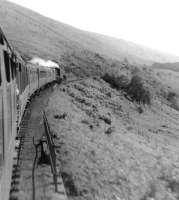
1, 39
20, 67
12, 72
13, 68
7, 66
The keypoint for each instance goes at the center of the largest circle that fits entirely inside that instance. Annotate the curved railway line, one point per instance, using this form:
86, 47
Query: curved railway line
22, 128
30, 179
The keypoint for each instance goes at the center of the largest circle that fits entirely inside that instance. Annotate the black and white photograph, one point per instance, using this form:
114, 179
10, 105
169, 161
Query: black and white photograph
89, 100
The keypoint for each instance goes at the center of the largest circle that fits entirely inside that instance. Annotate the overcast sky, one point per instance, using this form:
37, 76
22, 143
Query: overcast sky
153, 23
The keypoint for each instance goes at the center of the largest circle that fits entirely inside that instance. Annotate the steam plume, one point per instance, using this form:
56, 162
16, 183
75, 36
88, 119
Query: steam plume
42, 62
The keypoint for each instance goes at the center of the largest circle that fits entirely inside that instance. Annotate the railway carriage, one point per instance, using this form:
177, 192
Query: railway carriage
7, 114
18, 81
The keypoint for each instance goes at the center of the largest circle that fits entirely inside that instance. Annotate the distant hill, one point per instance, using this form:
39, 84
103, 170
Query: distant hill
167, 66
35, 35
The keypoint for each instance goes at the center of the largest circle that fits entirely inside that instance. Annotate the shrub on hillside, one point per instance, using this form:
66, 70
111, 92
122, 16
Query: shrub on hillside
109, 78
137, 91
117, 82
172, 97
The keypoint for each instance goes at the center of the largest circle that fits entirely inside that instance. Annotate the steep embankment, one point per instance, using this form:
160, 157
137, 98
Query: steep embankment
35, 35
113, 148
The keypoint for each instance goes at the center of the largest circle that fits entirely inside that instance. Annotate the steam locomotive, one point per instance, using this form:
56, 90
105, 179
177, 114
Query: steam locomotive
18, 81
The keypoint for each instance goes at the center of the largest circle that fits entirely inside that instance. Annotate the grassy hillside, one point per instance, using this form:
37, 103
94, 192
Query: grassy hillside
112, 147
35, 35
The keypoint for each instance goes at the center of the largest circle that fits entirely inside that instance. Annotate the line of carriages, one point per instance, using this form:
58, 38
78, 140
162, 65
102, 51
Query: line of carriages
18, 82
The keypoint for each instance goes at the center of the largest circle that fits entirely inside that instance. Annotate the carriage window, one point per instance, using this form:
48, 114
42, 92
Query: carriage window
1, 39
12, 68
20, 67
7, 66
15, 69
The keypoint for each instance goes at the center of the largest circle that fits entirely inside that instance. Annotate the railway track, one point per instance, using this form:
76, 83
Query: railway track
27, 173
31, 181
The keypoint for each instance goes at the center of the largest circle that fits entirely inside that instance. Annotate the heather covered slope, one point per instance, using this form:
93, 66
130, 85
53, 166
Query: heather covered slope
112, 145
114, 148
35, 35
